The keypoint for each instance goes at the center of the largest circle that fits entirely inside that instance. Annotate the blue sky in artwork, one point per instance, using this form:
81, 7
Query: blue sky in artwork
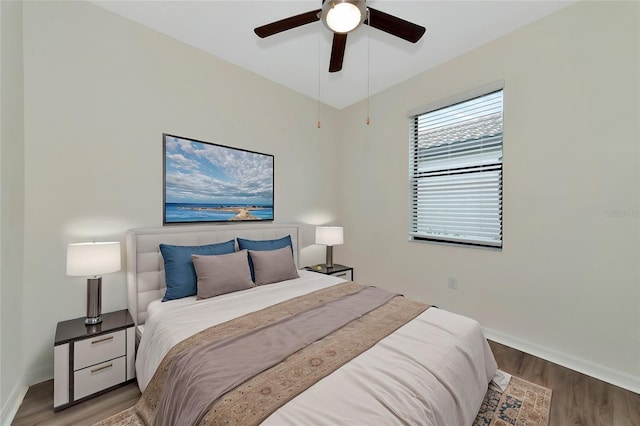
202, 173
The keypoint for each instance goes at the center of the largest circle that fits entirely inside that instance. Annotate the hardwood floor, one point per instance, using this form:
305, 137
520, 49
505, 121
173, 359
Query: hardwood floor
577, 400
37, 407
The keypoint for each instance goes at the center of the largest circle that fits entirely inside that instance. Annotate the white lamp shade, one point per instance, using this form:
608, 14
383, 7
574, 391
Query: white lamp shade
329, 235
92, 259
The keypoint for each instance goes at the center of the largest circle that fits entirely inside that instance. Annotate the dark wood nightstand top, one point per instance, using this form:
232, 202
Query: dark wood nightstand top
75, 329
322, 268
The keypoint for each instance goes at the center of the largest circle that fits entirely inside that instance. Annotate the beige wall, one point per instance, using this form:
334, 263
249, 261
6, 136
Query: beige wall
11, 208
566, 284
99, 92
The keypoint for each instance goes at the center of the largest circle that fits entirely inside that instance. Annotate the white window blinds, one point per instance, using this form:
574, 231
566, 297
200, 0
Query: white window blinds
456, 172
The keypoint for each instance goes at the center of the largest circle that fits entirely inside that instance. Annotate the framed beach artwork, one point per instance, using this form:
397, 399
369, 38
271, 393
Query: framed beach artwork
207, 182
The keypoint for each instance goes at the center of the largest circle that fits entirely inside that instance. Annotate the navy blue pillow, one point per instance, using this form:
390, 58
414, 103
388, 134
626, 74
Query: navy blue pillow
180, 274
263, 245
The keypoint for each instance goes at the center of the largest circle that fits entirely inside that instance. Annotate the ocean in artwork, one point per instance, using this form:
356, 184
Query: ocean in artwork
188, 212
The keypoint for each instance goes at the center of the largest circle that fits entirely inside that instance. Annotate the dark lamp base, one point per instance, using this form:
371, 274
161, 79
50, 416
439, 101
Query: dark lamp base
94, 301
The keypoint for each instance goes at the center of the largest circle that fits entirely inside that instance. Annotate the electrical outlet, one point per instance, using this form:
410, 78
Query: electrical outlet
453, 283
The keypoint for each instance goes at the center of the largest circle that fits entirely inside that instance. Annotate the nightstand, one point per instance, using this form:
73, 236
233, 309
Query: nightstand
92, 359
336, 270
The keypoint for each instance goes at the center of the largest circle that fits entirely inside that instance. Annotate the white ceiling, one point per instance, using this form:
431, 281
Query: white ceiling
299, 58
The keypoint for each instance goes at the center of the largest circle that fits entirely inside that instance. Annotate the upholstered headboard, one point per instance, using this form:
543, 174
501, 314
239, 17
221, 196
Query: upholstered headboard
145, 267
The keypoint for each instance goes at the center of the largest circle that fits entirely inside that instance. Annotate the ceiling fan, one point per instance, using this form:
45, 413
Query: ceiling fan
342, 17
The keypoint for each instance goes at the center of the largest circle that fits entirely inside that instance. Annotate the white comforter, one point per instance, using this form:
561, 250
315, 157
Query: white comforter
432, 371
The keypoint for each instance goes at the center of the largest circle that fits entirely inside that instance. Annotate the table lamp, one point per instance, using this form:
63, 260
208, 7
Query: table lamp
91, 260
329, 236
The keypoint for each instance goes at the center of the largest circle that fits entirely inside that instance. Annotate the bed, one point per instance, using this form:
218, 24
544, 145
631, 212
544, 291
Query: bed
433, 370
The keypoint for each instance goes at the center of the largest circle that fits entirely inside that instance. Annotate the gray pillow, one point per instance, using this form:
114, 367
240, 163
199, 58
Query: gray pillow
222, 273
271, 266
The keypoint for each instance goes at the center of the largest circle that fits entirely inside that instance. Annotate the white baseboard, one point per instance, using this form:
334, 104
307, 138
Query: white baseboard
8, 412
10, 408
600, 372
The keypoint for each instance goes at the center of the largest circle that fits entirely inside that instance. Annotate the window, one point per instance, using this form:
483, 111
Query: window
456, 171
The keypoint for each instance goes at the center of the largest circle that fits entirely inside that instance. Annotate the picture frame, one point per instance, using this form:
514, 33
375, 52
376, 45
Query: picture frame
209, 182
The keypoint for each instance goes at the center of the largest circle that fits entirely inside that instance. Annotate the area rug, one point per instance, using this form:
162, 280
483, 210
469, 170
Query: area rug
521, 404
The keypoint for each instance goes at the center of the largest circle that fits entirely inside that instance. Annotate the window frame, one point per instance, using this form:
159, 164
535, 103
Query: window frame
414, 162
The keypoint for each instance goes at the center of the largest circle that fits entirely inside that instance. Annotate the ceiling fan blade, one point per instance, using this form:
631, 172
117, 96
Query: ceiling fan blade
337, 52
287, 24
395, 26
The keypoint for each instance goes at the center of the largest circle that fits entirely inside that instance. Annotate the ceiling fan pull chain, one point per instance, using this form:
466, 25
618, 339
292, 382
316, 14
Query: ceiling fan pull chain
368, 121
318, 67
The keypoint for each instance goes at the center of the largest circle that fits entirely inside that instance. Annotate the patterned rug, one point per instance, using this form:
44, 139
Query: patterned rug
521, 404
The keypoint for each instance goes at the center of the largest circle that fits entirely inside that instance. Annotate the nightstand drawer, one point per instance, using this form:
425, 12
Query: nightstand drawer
98, 377
98, 349
345, 275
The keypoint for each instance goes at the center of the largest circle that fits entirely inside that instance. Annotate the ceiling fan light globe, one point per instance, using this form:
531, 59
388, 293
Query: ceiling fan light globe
343, 16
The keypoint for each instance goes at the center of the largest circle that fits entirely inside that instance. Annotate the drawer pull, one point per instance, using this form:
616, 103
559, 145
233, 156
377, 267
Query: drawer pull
344, 274
104, 367
102, 340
